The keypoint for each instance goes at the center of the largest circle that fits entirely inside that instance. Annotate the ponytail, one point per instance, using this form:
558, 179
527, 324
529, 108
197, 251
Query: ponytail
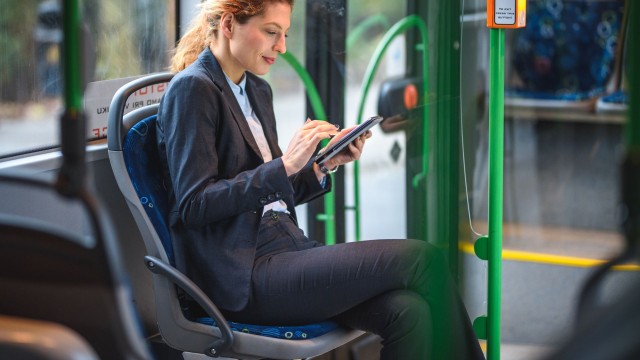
192, 43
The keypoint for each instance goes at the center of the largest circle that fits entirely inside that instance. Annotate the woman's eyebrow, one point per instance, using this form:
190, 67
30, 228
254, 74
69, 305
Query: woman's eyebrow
274, 24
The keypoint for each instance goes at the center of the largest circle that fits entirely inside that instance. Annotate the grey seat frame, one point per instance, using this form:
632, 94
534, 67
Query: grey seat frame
177, 331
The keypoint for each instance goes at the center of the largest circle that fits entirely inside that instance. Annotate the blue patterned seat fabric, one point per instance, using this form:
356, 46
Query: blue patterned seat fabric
143, 165
617, 97
567, 51
302, 332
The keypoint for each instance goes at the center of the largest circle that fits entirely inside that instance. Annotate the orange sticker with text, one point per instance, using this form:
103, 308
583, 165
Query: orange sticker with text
508, 14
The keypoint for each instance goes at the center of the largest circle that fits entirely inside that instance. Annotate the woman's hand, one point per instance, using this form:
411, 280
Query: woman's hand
305, 142
350, 153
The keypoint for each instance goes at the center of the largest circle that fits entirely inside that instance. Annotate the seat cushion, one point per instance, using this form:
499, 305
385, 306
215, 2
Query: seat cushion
302, 332
143, 165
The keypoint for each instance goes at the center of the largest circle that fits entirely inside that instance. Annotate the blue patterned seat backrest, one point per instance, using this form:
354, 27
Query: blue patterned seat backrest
567, 51
143, 165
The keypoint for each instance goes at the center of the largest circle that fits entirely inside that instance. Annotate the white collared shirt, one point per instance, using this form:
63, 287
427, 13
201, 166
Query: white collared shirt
257, 131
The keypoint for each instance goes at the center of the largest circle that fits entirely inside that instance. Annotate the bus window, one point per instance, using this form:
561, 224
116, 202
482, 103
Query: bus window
382, 164
128, 38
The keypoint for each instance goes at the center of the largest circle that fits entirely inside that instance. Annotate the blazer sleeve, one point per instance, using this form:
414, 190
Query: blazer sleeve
306, 185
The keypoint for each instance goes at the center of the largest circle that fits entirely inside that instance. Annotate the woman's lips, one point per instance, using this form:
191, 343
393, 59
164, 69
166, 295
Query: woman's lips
269, 60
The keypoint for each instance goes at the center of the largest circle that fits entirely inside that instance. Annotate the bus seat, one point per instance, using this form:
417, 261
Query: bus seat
66, 277
617, 100
565, 57
134, 160
45, 341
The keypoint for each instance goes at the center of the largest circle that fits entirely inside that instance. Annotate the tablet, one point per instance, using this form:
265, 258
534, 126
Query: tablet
347, 139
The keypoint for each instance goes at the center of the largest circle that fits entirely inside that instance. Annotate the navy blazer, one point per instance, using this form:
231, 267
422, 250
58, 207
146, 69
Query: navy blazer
218, 182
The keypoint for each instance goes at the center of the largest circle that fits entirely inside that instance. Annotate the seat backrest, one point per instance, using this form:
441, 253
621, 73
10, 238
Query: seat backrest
134, 161
143, 166
567, 51
54, 275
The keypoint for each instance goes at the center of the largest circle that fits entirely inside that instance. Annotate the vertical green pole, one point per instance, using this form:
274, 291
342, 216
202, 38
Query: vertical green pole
443, 185
70, 181
71, 56
496, 155
632, 130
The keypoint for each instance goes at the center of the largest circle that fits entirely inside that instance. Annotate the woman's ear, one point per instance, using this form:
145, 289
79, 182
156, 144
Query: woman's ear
226, 24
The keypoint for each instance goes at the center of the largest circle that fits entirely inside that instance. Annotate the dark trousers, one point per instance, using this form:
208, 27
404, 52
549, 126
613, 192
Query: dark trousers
398, 289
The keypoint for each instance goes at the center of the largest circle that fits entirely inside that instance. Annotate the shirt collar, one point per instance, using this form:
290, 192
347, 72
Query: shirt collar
238, 89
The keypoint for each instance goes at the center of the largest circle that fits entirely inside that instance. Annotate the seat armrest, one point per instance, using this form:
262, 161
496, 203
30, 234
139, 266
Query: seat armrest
159, 267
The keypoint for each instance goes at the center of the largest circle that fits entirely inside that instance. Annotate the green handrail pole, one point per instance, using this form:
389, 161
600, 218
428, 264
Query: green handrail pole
72, 56
397, 29
70, 180
316, 104
496, 170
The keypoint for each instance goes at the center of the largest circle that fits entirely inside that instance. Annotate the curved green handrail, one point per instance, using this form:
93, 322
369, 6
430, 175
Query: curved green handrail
310, 86
316, 104
397, 29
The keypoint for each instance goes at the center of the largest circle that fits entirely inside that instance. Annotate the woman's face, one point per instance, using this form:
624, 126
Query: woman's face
256, 44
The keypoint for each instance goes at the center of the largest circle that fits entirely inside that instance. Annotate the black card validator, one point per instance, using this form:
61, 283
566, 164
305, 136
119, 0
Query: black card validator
347, 139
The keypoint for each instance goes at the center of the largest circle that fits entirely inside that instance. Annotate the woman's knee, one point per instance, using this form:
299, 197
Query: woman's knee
425, 251
429, 270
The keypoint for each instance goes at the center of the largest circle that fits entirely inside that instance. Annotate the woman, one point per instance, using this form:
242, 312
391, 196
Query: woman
233, 195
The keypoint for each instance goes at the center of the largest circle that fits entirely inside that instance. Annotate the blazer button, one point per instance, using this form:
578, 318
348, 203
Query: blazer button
270, 197
278, 194
263, 200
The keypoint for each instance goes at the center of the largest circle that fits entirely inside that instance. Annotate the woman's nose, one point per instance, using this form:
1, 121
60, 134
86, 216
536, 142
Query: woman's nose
281, 44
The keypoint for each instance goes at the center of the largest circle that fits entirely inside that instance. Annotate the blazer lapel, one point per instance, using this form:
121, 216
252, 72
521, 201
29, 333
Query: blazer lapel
262, 106
218, 77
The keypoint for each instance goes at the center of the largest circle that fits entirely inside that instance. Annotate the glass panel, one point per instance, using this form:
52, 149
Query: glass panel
382, 165
561, 165
130, 38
